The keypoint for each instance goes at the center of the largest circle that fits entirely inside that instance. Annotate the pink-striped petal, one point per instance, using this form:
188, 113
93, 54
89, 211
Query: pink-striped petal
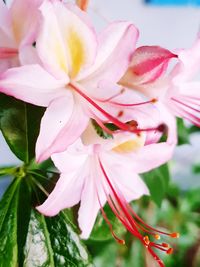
148, 64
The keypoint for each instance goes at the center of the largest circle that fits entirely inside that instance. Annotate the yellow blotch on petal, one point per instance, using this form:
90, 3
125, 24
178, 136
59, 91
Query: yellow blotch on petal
130, 145
17, 30
60, 56
77, 52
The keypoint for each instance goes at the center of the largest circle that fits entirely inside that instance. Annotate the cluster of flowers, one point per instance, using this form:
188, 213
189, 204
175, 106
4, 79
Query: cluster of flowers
111, 108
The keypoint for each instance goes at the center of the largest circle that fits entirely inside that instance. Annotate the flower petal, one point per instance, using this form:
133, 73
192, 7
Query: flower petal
67, 161
189, 63
152, 156
155, 154
32, 84
116, 47
92, 198
5, 26
66, 194
123, 177
71, 42
25, 20
28, 56
148, 64
62, 124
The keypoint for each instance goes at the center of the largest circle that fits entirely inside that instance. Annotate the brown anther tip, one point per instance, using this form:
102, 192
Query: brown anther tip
157, 237
154, 100
120, 113
170, 251
121, 242
146, 240
122, 90
133, 125
165, 245
175, 235
162, 128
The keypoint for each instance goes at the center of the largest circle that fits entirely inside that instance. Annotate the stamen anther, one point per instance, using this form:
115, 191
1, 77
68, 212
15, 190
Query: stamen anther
120, 114
165, 245
157, 237
170, 251
174, 235
146, 240
154, 100
121, 242
122, 90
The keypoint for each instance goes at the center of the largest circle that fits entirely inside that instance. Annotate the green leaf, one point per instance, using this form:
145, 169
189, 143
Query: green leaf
67, 246
4, 171
111, 254
38, 251
136, 255
157, 181
24, 210
183, 132
100, 131
101, 230
107, 256
196, 168
19, 123
8, 226
194, 129
53, 242
27, 238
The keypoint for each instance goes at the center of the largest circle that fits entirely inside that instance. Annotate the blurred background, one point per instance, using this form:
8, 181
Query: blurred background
171, 24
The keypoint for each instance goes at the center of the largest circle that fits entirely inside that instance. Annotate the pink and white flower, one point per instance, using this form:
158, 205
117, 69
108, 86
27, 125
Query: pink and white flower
175, 90
79, 73
184, 90
18, 30
107, 171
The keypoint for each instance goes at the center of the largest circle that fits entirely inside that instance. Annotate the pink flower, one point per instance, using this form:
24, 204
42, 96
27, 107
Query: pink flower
183, 97
78, 75
107, 171
18, 30
176, 91
148, 65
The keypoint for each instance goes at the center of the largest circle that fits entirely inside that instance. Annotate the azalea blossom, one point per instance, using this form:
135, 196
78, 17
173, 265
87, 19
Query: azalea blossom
175, 90
95, 171
78, 75
184, 90
18, 30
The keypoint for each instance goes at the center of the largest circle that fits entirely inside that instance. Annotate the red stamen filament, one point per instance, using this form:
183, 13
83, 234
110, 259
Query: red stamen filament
125, 214
184, 104
6, 52
118, 123
100, 123
134, 104
110, 98
120, 241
